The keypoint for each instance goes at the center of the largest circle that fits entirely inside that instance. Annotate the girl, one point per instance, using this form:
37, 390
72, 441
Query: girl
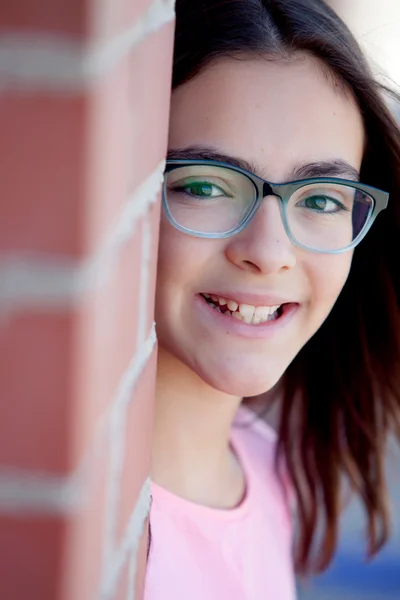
277, 273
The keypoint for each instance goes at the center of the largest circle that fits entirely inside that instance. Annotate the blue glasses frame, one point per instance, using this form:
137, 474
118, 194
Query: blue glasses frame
283, 191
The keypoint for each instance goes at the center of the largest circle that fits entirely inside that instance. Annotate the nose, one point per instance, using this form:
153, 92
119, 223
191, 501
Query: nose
263, 246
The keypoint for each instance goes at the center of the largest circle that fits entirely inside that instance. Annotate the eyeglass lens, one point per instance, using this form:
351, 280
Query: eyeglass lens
213, 199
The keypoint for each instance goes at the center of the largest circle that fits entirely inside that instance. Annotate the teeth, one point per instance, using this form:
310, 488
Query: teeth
232, 305
237, 316
246, 312
261, 313
256, 319
253, 315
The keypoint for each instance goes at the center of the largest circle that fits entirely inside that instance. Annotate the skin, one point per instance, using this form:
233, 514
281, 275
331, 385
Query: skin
278, 116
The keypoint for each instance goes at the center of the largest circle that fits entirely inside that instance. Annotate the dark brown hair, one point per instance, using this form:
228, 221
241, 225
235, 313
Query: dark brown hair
341, 394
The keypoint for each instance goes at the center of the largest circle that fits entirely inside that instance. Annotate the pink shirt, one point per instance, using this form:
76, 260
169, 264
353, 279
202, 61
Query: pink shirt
201, 553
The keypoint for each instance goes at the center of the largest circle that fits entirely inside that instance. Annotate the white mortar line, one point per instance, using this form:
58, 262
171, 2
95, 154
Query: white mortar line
117, 441
130, 543
130, 595
114, 479
24, 492
38, 62
50, 283
134, 371
118, 414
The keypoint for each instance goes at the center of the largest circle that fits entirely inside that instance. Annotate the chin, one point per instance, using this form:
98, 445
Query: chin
246, 389
238, 382
238, 375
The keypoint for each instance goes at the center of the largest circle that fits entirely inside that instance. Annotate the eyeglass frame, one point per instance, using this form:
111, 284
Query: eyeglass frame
282, 191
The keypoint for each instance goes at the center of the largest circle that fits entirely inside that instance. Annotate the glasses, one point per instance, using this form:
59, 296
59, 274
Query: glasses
210, 199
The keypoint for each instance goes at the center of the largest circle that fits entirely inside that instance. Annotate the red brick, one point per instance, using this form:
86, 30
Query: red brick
30, 557
83, 548
105, 342
53, 16
36, 385
42, 172
127, 133
74, 18
149, 97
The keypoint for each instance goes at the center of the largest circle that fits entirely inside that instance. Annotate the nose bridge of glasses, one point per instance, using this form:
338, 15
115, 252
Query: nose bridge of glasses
267, 189
270, 189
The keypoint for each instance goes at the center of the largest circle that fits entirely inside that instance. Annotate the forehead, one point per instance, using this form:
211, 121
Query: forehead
276, 114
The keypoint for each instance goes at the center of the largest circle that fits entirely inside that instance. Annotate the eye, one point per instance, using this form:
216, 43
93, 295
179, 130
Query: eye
321, 203
200, 189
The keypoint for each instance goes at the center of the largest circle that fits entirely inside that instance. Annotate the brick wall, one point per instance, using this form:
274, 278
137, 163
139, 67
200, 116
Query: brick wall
84, 94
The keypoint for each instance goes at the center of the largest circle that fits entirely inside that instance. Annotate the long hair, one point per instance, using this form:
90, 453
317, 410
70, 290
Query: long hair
341, 394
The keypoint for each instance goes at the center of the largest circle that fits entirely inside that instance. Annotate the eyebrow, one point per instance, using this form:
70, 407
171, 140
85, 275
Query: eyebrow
324, 168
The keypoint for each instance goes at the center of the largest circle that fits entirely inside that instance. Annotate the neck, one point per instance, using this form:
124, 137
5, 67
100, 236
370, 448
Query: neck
191, 453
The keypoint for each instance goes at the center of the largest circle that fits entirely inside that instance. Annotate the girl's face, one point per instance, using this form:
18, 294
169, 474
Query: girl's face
279, 117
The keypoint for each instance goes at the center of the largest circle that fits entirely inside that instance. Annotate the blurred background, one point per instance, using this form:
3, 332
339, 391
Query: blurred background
351, 577
377, 26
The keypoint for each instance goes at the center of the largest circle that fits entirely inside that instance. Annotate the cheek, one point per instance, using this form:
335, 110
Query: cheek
328, 274
170, 272
181, 260
176, 258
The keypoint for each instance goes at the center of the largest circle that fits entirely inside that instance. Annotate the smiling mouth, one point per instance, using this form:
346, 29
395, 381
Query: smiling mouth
251, 315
